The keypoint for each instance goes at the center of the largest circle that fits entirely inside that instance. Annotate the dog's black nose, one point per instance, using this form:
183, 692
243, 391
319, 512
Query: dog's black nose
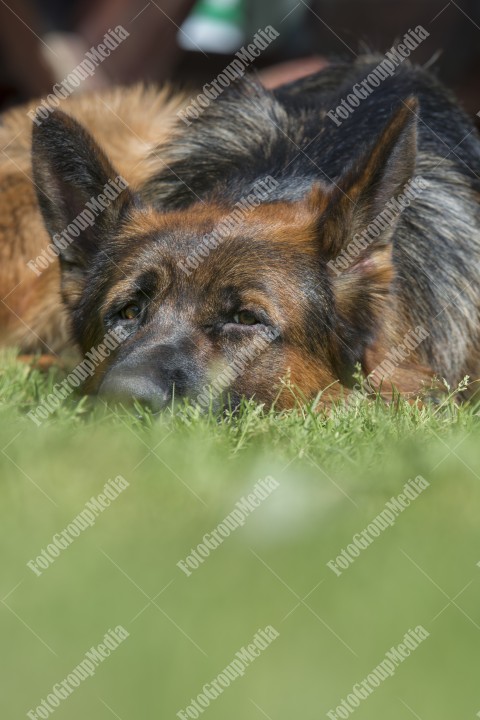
153, 377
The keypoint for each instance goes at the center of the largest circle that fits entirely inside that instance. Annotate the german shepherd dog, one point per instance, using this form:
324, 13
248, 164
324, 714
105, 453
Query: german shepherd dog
364, 251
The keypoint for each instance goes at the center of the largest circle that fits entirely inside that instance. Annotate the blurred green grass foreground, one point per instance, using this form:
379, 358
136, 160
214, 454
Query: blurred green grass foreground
265, 565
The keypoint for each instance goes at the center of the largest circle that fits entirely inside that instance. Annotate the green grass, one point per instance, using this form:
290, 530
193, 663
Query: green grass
335, 474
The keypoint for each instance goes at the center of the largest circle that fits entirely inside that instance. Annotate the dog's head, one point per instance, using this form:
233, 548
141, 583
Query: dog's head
208, 311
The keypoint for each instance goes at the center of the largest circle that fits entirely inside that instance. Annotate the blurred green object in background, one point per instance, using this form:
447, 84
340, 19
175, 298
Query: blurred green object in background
216, 26
223, 26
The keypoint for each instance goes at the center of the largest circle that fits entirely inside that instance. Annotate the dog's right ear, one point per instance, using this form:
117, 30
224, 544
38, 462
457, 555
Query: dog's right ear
80, 194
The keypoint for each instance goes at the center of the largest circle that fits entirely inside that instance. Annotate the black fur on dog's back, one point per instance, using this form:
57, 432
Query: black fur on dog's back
249, 130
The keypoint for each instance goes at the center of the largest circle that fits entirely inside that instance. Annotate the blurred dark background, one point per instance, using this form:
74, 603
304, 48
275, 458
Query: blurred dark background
190, 41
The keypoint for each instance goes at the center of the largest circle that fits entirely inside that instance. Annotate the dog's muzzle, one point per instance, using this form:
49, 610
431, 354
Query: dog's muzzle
155, 377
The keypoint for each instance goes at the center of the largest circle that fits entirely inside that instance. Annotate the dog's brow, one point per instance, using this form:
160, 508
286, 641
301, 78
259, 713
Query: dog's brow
145, 282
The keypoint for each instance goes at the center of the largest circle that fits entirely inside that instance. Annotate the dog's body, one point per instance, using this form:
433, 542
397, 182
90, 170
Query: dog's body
275, 276
128, 124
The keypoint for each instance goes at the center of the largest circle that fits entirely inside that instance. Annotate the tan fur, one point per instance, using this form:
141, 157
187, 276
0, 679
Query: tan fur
128, 123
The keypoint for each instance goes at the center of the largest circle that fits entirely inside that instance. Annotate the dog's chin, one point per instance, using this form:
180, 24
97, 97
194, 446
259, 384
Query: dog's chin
231, 404
133, 392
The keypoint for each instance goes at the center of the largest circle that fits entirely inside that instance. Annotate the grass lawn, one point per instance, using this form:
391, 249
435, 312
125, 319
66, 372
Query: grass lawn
329, 629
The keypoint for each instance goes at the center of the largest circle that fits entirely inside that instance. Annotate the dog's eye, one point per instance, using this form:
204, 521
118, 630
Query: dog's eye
130, 312
245, 317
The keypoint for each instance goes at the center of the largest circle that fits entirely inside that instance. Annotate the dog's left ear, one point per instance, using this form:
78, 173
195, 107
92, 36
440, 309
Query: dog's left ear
69, 171
359, 257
